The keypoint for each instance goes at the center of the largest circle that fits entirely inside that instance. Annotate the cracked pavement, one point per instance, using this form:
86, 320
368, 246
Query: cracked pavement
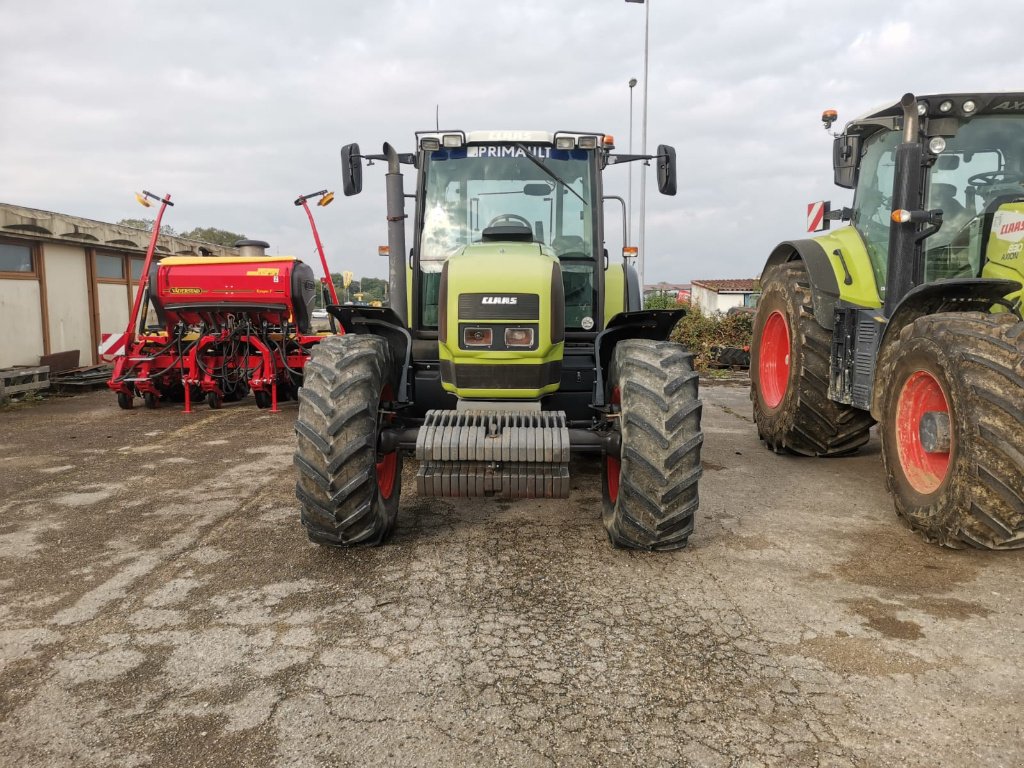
161, 606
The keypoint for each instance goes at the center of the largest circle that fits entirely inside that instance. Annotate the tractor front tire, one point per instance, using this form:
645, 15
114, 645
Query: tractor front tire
650, 490
789, 373
348, 491
952, 442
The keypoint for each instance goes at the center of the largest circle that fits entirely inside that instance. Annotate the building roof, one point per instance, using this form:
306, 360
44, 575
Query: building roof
36, 224
729, 286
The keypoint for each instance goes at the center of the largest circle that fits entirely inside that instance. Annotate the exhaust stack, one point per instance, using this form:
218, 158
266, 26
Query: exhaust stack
396, 234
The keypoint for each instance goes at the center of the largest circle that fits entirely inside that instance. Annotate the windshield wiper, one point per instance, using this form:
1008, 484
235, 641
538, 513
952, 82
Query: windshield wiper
530, 156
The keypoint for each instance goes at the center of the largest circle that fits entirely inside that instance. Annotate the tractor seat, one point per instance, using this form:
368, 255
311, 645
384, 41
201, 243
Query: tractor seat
954, 214
569, 244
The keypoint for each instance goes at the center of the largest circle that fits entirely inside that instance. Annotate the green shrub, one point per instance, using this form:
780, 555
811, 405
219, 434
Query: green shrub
663, 302
699, 333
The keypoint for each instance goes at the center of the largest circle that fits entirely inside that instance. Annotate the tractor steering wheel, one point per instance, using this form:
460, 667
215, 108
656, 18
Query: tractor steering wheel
510, 218
995, 178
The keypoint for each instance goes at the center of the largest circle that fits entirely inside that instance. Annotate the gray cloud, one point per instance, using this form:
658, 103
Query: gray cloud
236, 108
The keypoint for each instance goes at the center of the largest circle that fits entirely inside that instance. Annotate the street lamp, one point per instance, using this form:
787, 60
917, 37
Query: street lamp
629, 197
643, 145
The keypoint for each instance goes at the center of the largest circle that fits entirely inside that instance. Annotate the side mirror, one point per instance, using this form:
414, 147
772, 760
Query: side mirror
846, 160
351, 170
666, 169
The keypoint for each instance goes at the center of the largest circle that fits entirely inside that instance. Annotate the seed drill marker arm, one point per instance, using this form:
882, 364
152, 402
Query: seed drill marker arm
326, 198
129, 335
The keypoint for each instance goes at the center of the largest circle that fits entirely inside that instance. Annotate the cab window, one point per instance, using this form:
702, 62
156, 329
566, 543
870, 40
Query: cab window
872, 202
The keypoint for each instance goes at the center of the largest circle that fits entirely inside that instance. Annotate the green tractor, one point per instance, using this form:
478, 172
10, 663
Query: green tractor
911, 316
511, 342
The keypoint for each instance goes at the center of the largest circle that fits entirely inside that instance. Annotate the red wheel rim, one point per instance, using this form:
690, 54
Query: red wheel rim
612, 465
921, 393
773, 359
387, 467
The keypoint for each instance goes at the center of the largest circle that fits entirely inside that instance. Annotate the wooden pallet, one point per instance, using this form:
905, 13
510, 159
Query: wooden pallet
23, 379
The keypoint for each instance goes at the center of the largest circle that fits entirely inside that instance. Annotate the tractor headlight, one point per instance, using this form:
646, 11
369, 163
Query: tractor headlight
565, 142
430, 144
587, 142
969, 106
478, 337
937, 145
451, 140
945, 106
519, 337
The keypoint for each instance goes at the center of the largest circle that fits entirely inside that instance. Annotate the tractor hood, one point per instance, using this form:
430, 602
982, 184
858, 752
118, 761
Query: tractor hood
501, 321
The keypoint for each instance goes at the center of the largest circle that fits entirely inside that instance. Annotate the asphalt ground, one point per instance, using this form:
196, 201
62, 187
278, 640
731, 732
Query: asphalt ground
160, 605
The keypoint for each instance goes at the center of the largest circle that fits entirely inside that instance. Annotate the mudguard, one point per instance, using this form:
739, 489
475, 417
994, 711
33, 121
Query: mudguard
824, 286
654, 324
384, 322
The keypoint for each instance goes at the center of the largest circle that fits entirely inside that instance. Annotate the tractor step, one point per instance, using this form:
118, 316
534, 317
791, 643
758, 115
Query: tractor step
514, 454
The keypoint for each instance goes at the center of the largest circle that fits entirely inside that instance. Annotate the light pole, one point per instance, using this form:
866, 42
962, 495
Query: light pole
643, 146
629, 197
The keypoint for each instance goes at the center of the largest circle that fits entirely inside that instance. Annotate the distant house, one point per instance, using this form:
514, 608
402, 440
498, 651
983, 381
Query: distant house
723, 295
678, 291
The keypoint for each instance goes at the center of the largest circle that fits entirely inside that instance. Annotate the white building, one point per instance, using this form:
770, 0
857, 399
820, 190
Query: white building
65, 281
722, 295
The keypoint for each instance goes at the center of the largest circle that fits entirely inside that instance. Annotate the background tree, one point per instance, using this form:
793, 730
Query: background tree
373, 288
205, 234
213, 235
146, 225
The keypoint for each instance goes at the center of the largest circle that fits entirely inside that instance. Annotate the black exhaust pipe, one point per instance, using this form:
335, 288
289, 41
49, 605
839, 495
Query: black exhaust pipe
905, 268
395, 190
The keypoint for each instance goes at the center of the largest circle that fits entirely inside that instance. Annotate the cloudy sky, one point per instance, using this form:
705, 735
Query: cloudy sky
235, 108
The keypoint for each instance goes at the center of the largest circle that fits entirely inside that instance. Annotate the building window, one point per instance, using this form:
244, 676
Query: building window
16, 258
109, 267
136, 267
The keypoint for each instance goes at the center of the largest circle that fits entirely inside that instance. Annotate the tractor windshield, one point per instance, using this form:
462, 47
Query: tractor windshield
982, 163
472, 188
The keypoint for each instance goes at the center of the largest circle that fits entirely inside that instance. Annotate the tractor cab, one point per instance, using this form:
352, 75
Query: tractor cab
971, 184
528, 195
507, 257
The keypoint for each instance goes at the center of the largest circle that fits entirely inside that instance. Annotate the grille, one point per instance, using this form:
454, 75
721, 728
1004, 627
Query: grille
506, 376
471, 306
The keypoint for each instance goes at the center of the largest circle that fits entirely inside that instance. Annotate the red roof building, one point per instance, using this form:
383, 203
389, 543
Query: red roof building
723, 295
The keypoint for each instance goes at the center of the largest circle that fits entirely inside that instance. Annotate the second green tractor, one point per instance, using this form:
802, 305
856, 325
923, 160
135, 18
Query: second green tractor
911, 317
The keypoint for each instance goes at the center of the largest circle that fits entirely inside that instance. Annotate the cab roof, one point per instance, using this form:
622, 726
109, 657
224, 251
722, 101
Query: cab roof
1005, 103
495, 136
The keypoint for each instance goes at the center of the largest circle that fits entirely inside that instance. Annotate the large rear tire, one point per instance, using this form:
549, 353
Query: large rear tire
952, 437
349, 493
650, 491
789, 373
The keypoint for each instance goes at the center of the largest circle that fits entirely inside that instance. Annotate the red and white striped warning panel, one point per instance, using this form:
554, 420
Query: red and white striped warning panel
816, 221
112, 345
